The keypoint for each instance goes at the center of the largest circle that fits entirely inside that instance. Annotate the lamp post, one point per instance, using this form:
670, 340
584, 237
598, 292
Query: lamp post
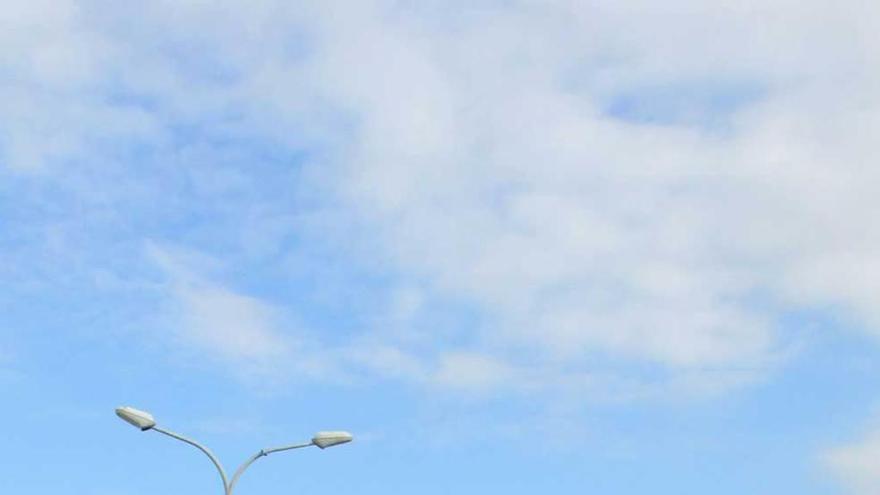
145, 421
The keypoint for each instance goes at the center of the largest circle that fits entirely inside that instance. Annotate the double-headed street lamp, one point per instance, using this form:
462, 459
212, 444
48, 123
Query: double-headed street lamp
145, 421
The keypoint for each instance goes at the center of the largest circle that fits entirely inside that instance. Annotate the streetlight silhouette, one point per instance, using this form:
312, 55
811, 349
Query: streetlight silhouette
145, 421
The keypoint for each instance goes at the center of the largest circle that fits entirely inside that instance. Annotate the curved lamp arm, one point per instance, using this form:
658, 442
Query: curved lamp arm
262, 453
204, 449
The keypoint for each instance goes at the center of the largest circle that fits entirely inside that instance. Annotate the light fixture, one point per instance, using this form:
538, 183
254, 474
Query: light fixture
136, 417
145, 421
324, 439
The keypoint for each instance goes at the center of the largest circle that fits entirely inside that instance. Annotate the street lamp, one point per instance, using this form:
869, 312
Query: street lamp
145, 421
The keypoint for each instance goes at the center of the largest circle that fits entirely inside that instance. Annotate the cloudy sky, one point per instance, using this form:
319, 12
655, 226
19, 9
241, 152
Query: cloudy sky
515, 246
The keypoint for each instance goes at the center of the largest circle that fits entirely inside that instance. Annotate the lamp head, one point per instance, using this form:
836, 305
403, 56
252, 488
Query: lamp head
324, 439
135, 417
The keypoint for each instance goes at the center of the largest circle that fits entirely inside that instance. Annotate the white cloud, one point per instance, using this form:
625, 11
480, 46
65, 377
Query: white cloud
232, 325
384, 360
57, 107
220, 323
474, 152
491, 180
857, 465
474, 372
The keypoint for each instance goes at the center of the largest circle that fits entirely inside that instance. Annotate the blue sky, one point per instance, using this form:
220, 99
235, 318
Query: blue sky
616, 247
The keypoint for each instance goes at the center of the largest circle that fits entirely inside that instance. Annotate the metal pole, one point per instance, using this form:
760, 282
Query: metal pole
262, 453
204, 449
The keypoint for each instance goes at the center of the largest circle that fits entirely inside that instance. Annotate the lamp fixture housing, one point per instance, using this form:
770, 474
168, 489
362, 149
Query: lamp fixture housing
324, 439
136, 417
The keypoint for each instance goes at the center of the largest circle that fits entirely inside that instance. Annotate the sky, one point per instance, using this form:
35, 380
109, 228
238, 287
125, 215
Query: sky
513, 246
